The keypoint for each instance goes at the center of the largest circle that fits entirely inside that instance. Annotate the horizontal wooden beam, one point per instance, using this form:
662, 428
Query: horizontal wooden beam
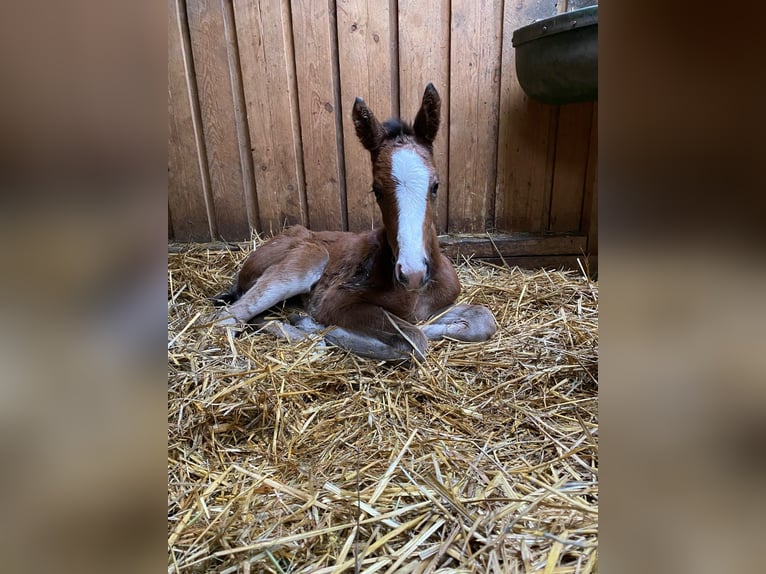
573, 262
528, 251
477, 246
514, 245
213, 246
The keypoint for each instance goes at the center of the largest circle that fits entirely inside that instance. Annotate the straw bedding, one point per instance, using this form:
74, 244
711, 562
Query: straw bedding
304, 458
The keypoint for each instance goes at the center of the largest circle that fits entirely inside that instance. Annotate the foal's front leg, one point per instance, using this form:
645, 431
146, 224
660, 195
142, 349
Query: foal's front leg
361, 344
370, 331
470, 323
293, 275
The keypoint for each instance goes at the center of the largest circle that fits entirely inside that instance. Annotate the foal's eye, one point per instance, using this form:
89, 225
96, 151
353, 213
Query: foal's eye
434, 189
378, 193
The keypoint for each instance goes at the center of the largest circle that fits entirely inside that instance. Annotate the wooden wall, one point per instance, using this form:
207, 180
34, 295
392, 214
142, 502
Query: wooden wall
260, 134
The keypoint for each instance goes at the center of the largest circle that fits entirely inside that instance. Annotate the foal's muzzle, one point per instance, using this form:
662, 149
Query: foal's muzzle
413, 280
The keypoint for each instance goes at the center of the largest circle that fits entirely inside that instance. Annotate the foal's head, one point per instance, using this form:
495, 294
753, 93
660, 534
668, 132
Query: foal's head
405, 183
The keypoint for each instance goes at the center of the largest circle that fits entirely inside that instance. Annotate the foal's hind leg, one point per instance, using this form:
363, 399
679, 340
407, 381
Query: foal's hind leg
471, 323
293, 275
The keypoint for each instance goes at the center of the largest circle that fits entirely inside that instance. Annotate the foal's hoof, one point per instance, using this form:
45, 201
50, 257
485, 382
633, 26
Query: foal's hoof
412, 343
305, 323
224, 319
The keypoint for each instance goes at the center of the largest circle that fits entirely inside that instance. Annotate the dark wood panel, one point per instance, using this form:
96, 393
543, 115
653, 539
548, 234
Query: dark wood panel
589, 223
569, 262
526, 138
513, 245
574, 125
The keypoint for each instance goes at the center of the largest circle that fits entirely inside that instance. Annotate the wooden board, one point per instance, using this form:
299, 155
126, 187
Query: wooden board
424, 57
574, 125
219, 118
364, 55
269, 140
518, 244
569, 262
590, 205
266, 59
240, 112
186, 189
526, 139
315, 54
475, 34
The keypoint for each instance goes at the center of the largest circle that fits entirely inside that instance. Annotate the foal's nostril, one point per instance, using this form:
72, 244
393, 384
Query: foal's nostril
413, 280
401, 277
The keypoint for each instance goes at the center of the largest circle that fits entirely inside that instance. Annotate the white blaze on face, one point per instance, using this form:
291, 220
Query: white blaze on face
411, 177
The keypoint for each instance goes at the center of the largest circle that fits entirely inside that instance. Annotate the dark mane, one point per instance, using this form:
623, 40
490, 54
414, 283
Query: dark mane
396, 128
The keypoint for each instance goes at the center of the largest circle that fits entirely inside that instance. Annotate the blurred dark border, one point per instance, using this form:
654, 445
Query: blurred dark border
681, 184
83, 249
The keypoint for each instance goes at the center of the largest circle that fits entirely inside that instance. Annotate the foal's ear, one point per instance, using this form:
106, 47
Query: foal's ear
427, 121
368, 128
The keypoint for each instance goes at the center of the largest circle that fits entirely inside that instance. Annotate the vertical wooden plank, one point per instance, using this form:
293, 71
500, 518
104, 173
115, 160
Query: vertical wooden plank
219, 119
186, 190
573, 197
593, 218
526, 139
424, 39
364, 45
570, 165
589, 223
475, 48
265, 50
314, 55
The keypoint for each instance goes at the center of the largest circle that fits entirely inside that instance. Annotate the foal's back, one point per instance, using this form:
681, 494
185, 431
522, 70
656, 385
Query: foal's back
345, 251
